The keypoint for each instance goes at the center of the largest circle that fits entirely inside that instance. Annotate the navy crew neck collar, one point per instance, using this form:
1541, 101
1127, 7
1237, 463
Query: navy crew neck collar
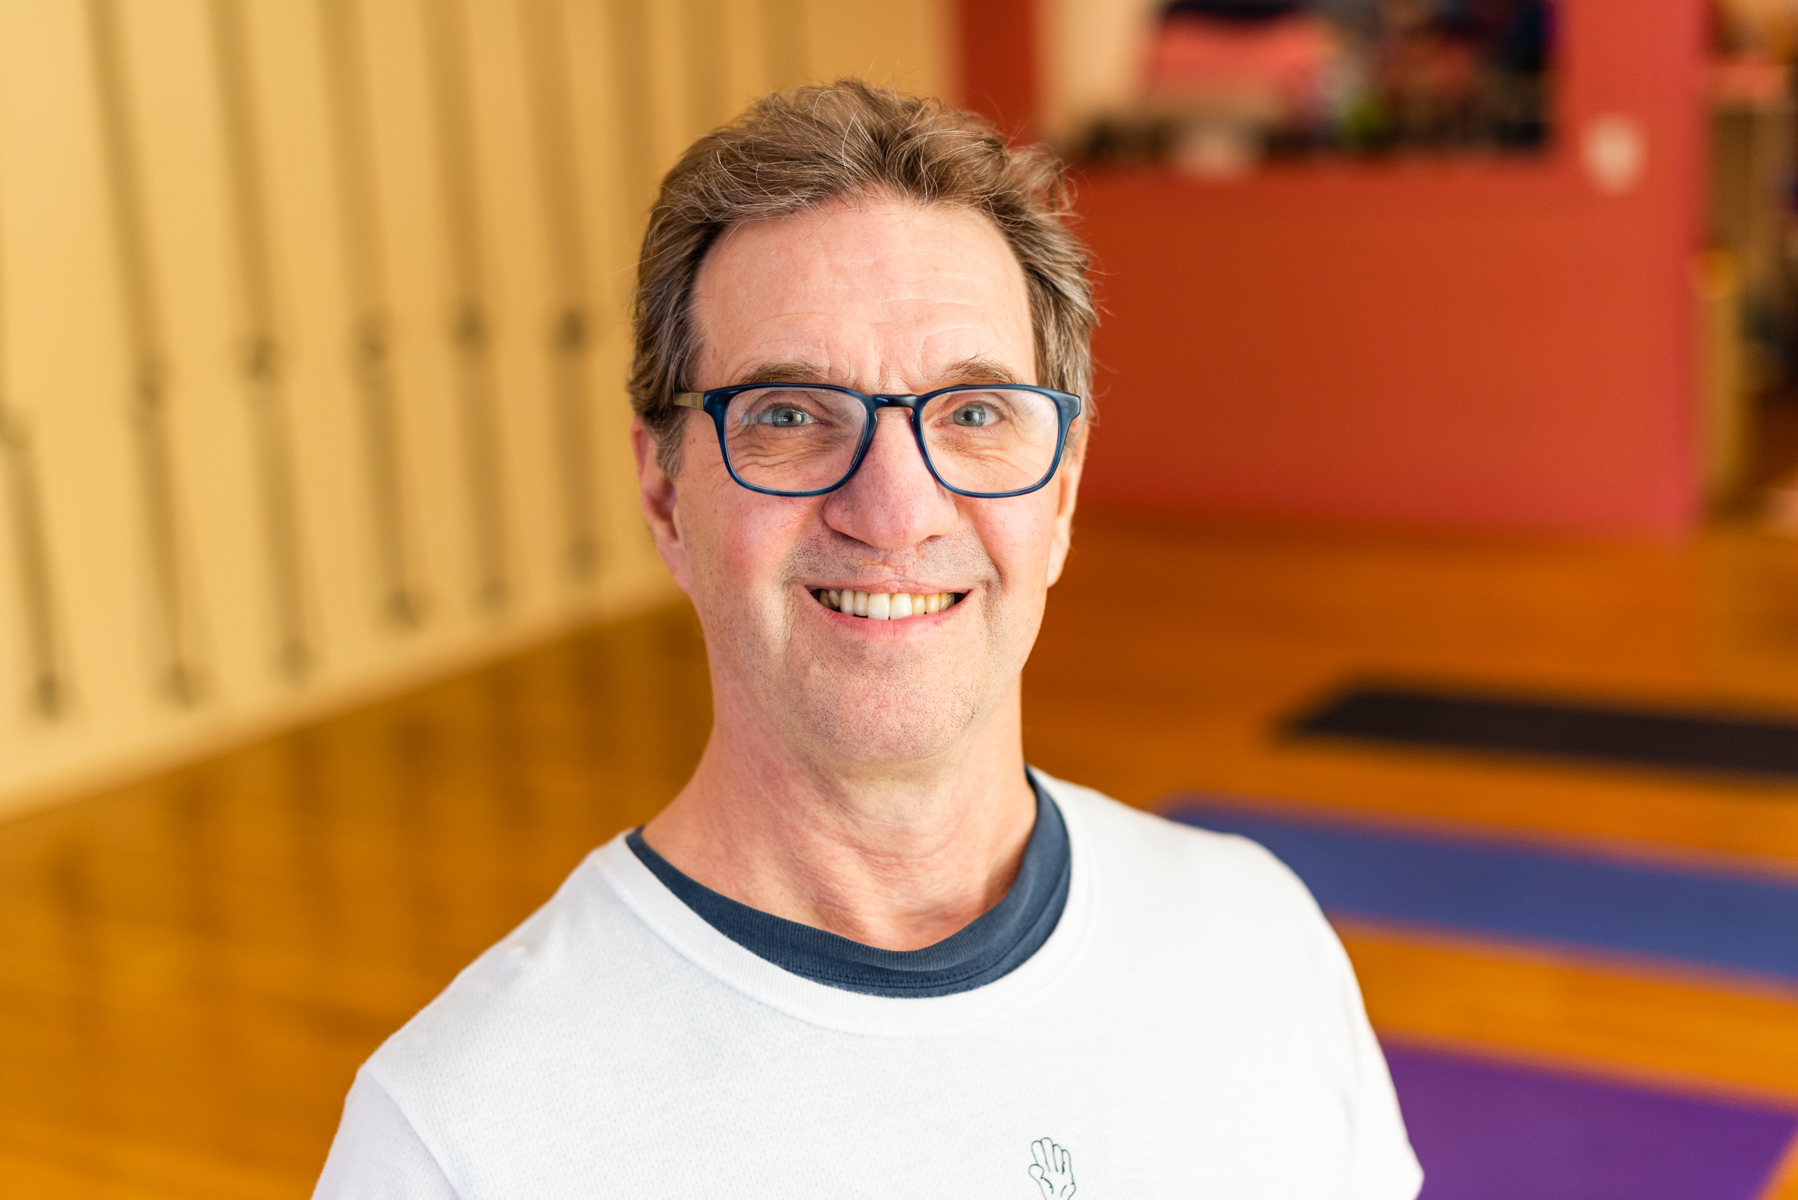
988, 948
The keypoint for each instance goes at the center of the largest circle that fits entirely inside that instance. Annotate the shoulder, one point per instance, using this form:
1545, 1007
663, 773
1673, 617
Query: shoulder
1158, 882
1161, 854
581, 964
377, 1153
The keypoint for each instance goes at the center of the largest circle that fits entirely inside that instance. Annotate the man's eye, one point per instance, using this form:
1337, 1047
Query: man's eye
784, 418
975, 415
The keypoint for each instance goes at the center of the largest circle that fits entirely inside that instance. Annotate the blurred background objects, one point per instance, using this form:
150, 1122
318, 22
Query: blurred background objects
1539, 109
1448, 405
1226, 82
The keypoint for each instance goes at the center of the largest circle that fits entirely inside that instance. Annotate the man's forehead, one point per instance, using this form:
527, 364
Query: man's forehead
977, 368
864, 296
870, 240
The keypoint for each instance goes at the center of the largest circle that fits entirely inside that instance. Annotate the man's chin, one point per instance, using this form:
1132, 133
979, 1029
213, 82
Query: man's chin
885, 728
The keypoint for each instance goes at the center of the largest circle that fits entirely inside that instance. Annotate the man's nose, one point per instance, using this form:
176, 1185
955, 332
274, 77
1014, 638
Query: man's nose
893, 502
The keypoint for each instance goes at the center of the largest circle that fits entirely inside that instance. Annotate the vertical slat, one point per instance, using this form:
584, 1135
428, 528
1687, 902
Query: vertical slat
179, 672
47, 683
571, 327
786, 41
260, 360
708, 63
470, 326
370, 306
629, 21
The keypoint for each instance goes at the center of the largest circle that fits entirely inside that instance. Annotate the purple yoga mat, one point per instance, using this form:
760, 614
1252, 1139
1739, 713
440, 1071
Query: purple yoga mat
1488, 1131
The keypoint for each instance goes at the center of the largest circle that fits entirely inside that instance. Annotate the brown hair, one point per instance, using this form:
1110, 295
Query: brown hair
796, 150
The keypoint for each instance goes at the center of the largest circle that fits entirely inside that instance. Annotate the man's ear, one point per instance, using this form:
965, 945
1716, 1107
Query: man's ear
1067, 491
656, 495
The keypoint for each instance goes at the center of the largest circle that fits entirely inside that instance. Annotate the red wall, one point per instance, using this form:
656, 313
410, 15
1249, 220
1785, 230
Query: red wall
1497, 345
998, 62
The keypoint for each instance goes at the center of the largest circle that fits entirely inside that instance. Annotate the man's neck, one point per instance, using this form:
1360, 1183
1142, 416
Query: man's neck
897, 857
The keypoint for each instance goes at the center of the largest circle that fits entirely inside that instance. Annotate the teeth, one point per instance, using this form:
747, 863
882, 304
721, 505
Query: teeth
884, 606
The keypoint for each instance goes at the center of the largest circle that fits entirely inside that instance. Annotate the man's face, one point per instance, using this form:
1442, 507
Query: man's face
884, 297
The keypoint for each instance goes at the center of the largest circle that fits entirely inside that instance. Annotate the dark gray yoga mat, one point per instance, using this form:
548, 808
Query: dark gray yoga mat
1439, 718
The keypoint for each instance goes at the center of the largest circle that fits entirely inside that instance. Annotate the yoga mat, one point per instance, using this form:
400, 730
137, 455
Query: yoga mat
1709, 918
1490, 1131
1439, 719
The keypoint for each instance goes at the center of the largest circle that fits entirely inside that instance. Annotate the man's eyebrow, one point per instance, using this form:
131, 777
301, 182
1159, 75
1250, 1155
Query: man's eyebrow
787, 371
979, 369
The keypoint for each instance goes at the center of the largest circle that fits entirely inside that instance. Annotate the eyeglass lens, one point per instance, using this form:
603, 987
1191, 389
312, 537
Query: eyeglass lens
798, 439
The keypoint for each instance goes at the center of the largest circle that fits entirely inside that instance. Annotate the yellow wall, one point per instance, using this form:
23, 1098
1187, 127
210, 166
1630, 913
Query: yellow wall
192, 550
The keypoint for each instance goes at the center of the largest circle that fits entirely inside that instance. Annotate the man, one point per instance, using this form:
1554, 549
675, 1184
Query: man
866, 952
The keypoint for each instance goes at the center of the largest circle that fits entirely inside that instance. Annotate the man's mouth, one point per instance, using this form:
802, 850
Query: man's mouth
884, 606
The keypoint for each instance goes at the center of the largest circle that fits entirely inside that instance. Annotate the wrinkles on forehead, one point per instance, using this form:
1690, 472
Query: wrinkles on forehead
881, 297
978, 368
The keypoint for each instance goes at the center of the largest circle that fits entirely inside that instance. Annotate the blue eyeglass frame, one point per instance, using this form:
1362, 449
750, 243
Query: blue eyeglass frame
714, 402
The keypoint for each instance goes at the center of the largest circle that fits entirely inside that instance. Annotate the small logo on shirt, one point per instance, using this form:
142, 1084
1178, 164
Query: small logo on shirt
1053, 1170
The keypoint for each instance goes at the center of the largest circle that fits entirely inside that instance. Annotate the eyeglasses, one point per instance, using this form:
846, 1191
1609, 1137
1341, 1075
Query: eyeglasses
806, 439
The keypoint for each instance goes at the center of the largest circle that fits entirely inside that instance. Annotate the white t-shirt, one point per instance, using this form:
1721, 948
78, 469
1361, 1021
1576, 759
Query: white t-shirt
1192, 1028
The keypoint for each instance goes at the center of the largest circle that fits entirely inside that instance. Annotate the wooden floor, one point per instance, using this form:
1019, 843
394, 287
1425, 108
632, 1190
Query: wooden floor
191, 968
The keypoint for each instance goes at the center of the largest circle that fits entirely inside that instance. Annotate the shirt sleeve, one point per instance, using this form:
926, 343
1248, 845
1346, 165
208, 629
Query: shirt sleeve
377, 1153
1384, 1167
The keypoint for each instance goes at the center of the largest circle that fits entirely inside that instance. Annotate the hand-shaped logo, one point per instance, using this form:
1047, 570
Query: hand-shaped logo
1053, 1170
